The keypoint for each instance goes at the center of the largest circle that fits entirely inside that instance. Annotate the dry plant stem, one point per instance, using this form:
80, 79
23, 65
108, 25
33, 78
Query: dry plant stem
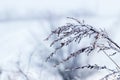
114, 43
112, 60
75, 33
106, 77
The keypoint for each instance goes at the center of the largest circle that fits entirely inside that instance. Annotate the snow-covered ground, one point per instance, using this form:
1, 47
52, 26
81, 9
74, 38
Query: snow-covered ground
24, 24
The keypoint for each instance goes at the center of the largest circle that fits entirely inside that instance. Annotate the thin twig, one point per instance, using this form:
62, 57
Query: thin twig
111, 60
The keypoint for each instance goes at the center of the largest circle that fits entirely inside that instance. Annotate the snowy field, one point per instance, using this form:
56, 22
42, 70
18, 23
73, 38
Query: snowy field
24, 24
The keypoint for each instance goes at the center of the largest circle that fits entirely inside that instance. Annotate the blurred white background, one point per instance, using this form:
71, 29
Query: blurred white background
24, 24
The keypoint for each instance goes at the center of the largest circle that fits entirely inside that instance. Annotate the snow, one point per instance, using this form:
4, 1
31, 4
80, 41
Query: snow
24, 24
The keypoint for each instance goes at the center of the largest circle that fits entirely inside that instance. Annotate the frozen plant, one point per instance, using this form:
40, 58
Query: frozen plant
75, 33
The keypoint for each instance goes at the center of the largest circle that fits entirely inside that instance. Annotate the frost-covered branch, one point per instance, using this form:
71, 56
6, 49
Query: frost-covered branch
75, 33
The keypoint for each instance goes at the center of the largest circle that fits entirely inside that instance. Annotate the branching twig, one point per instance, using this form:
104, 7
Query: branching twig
75, 33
